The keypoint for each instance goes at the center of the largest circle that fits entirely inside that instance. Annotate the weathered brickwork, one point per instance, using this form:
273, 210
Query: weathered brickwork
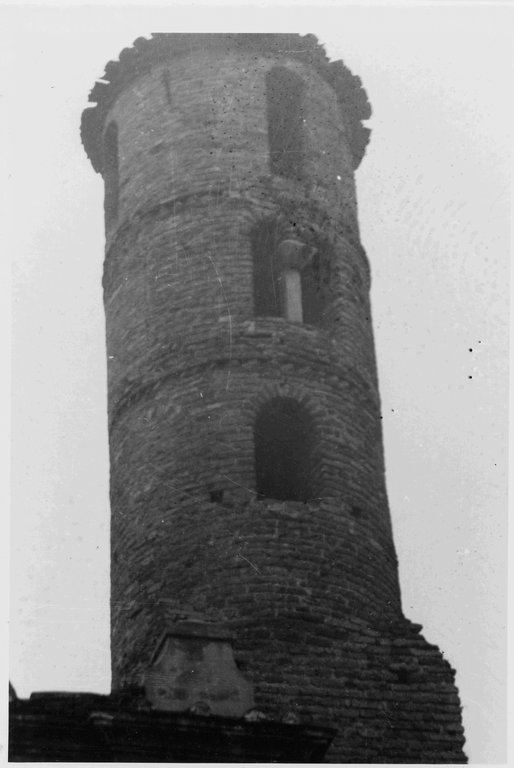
310, 589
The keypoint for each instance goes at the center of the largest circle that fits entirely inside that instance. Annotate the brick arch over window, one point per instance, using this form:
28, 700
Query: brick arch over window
285, 94
111, 174
286, 452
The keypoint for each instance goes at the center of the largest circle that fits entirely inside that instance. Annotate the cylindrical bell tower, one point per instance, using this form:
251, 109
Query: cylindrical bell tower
247, 474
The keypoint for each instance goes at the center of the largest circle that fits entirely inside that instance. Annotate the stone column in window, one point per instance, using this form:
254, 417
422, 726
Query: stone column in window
291, 282
293, 256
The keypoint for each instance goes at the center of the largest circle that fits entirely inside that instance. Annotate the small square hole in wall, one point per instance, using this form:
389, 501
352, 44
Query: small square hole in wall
356, 511
216, 496
403, 676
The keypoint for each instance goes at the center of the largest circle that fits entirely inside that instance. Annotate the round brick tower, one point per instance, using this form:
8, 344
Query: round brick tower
247, 473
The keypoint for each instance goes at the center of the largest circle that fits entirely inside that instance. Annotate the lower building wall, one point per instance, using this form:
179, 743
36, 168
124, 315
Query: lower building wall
310, 596
82, 727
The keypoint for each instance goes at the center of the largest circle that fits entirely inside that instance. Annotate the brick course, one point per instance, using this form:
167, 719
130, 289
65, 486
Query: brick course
309, 590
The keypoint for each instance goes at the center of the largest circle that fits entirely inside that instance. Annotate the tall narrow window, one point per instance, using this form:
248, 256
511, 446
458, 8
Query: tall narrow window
284, 91
300, 281
284, 451
290, 277
111, 174
266, 275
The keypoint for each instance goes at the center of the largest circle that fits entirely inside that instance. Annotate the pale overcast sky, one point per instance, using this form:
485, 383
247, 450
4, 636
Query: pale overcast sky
433, 194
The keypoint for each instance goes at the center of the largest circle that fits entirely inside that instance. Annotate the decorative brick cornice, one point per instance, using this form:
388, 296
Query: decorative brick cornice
161, 47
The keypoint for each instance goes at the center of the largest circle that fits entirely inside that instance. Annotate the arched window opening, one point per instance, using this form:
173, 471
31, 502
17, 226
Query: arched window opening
284, 91
302, 281
289, 279
111, 174
284, 451
267, 292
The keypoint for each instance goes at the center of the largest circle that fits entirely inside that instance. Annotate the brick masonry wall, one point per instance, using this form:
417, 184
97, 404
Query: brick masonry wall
309, 590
